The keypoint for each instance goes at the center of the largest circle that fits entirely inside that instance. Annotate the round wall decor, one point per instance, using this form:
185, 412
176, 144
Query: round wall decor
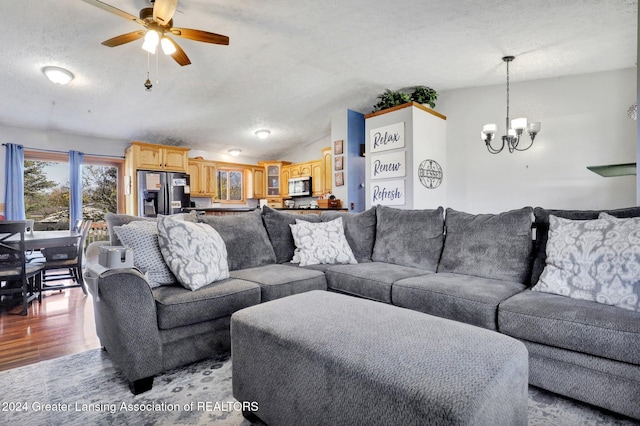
430, 174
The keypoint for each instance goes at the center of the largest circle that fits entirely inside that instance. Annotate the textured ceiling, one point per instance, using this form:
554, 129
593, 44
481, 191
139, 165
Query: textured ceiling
290, 64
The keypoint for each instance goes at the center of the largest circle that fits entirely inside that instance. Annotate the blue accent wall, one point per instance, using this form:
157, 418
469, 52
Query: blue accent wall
355, 163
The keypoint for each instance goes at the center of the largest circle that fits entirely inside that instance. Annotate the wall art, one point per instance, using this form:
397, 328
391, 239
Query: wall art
388, 193
386, 138
388, 165
430, 174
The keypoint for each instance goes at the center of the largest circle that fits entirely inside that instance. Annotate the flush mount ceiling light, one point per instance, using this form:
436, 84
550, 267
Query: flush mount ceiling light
263, 133
235, 152
515, 127
58, 75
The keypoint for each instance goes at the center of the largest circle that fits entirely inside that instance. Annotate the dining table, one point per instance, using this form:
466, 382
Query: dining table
37, 240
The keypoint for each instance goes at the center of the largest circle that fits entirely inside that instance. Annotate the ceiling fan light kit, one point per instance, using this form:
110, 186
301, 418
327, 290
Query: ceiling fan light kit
158, 24
58, 75
515, 127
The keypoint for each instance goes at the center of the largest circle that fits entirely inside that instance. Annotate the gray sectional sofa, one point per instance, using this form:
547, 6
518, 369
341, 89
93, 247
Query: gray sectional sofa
476, 269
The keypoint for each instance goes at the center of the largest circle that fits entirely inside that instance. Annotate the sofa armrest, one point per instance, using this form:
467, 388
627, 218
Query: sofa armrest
127, 324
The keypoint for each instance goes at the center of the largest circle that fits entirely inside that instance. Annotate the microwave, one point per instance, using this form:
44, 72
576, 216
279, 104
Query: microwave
300, 187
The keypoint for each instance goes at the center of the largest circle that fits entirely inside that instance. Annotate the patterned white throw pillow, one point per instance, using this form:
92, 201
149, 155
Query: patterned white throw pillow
322, 242
597, 260
142, 237
195, 252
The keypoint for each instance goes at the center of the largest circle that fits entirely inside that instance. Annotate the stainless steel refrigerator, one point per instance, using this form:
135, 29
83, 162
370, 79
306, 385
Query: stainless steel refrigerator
162, 192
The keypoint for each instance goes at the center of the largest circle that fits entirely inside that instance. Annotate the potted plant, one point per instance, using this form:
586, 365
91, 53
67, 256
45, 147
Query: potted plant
391, 98
424, 95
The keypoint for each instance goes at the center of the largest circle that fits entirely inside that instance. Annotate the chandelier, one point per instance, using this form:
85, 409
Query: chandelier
515, 127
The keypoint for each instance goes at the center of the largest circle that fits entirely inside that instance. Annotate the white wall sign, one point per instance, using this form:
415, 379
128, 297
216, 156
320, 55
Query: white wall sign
389, 193
387, 137
388, 165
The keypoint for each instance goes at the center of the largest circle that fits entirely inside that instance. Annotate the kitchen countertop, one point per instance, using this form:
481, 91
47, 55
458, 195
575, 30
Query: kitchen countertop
306, 208
248, 209
218, 209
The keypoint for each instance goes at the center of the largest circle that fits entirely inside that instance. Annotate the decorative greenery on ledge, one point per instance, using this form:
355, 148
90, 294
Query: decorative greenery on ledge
421, 94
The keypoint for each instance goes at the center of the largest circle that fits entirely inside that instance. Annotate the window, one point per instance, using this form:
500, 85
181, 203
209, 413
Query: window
230, 185
46, 189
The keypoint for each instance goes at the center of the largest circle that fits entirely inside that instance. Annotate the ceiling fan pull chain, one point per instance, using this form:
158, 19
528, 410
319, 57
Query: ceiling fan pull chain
147, 84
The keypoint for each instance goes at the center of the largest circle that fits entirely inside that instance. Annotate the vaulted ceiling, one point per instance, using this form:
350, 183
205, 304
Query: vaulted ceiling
289, 65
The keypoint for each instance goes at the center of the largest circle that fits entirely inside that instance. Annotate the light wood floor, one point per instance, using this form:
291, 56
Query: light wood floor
62, 325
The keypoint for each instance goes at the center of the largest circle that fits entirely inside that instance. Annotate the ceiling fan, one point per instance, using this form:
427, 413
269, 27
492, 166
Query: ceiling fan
158, 24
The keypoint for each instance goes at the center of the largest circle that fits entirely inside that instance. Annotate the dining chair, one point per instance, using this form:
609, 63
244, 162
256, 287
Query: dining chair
69, 268
16, 275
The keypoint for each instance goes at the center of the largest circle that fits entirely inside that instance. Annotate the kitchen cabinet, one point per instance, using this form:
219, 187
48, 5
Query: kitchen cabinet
284, 181
203, 175
259, 184
317, 184
327, 170
273, 170
146, 156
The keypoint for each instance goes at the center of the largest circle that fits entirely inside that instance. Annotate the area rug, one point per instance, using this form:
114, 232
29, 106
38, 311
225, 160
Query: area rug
86, 388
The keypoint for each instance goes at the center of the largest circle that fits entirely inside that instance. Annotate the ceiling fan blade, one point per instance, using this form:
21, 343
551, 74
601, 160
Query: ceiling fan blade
123, 38
199, 35
115, 10
179, 56
163, 11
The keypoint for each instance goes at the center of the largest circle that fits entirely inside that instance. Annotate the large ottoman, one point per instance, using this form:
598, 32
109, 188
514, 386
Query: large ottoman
321, 358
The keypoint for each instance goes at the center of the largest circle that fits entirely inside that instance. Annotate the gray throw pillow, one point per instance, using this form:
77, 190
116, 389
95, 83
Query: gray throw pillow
596, 260
277, 226
194, 252
359, 229
542, 229
246, 239
114, 220
409, 237
141, 236
495, 246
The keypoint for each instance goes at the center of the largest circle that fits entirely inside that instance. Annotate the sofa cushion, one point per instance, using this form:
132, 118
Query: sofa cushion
246, 239
194, 252
371, 280
277, 225
409, 237
463, 298
359, 229
318, 243
577, 325
542, 229
278, 281
597, 260
142, 238
178, 306
495, 246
